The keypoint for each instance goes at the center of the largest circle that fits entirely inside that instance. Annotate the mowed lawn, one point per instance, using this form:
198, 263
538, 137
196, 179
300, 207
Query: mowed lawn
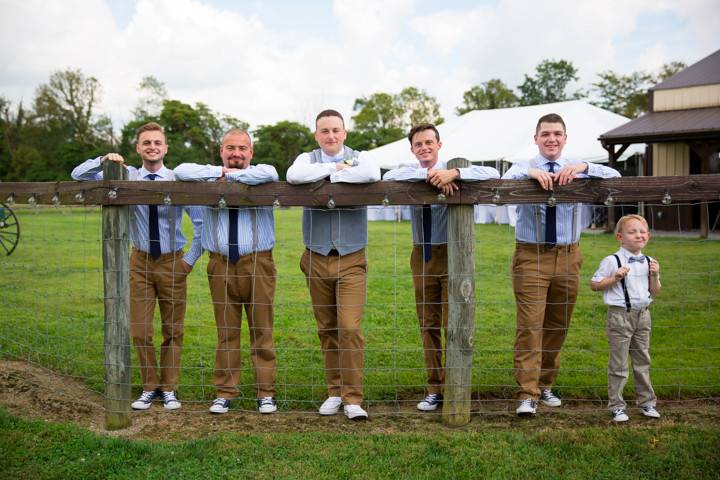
51, 304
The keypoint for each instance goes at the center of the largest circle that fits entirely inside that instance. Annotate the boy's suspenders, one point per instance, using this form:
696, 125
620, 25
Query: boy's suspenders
622, 282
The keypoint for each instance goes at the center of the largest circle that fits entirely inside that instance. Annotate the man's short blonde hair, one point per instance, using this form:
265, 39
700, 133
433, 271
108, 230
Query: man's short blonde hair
149, 127
626, 218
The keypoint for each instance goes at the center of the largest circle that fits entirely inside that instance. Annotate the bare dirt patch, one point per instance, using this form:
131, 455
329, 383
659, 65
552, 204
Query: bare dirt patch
34, 393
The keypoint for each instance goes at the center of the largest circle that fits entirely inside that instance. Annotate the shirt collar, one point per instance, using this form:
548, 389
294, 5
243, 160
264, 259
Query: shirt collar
626, 253
541, 161
332, 158
163, 173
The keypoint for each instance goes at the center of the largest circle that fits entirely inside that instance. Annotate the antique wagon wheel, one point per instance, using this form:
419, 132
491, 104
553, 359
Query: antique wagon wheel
9, 230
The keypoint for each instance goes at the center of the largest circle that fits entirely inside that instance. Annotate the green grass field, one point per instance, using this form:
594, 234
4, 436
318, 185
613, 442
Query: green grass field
51, 303
52, 315
37, 450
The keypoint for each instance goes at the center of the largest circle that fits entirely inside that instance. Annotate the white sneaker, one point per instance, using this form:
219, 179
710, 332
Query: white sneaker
330, 406
619, 415
355, 412
650, 411
526, 407
220, 405
266, 405
430, 403
145, 400
549, 399
170, 400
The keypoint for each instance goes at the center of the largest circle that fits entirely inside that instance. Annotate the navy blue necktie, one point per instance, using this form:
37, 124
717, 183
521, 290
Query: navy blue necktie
233, 252
550, 218
154, 225
427, 232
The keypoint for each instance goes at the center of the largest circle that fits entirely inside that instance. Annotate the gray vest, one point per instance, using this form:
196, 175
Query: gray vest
343, 229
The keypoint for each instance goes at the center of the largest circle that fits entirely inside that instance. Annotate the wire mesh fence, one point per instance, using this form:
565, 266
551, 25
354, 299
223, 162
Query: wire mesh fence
52, 315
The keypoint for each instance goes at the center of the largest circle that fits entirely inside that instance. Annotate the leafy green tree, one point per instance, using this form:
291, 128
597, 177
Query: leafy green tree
66, 106
488, 96
623, 94
152, 95
193, 134
627, 94
418, 107
549, 83
668, 70
280, 144
382, 117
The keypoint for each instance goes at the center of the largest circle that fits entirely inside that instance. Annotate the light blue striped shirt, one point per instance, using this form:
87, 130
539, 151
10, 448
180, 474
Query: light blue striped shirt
139, 226
530, 226
256, 225
439, 212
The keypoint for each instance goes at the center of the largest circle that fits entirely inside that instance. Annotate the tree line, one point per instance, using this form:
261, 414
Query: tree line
62, 126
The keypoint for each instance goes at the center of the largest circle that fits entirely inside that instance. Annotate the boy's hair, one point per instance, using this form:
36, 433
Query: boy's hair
148, 127
421, 128
626, 218
330, 113
550, 118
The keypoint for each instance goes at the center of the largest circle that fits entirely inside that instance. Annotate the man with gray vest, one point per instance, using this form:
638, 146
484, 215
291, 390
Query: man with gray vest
334, 262
241, 272
429, 259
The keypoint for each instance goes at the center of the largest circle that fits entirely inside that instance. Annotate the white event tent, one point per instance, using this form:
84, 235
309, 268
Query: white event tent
507, 134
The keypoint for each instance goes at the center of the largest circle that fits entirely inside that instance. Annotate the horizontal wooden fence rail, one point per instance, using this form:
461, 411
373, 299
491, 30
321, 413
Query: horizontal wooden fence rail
666, 190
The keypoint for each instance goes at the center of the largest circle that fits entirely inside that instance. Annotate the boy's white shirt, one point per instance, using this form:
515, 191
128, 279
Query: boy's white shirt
636, 281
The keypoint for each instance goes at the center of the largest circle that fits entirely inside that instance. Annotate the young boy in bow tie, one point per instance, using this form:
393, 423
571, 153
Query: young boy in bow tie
629, 281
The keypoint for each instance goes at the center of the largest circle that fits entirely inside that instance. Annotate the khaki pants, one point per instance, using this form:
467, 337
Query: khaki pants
338, 287
629, 333
431, 299
163, 280
249, 283
545, 282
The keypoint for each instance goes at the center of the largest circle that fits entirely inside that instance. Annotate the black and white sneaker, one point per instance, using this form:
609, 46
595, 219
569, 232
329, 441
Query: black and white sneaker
526, 408
220, 405
650, 411
266, 405
430, 403
170, 400
146, 399
549, 399
620, 416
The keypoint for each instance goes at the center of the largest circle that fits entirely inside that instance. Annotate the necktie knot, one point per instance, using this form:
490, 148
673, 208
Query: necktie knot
636, 259
152, 176
552, 166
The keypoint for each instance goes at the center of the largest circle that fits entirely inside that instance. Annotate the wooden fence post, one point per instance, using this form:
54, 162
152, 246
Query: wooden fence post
461, 310
116, 276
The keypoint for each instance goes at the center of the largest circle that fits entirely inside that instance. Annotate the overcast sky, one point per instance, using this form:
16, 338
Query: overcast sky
266, 61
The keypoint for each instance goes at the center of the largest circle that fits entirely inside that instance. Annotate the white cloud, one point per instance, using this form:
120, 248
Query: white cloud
254, 68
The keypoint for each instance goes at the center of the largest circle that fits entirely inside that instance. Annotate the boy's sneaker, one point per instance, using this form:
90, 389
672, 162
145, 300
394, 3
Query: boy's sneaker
330, 406
650, 411
355, 412
619, 415
145, 400
220, 405
526, 408
266, 405
170, 400
548, 398
431, 402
